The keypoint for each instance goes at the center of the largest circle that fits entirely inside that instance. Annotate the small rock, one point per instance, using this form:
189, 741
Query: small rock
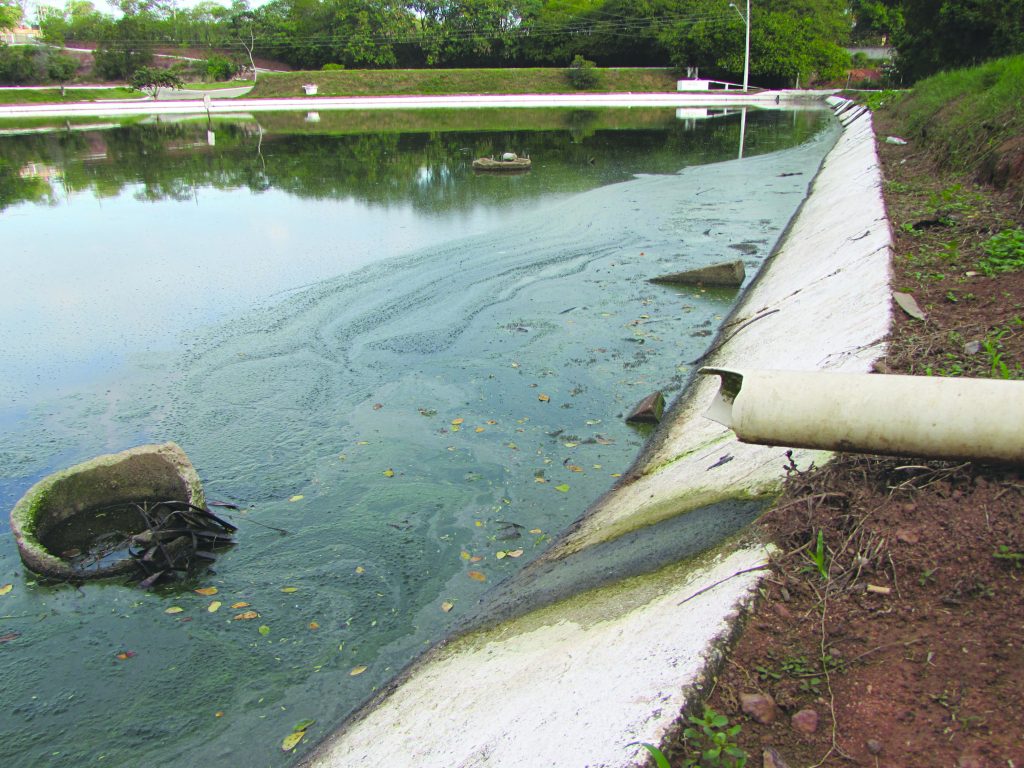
730, 273
907, 536
805, 722
972, 347
648, 410
970, 761
760, 706
895, 140
772, 759
781, 611
874, 746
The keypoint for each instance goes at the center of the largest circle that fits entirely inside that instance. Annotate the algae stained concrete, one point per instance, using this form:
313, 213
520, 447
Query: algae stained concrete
573, 681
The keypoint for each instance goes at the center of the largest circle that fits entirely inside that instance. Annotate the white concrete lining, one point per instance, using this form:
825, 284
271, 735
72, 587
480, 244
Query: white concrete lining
573, 683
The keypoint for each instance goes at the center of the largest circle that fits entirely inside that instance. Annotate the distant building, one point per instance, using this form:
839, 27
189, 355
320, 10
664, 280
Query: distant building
20, 36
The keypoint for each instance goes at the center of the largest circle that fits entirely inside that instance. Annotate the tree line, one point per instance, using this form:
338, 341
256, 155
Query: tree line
791, 40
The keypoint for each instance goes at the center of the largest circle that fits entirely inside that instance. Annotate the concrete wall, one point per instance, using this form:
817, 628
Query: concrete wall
574, 681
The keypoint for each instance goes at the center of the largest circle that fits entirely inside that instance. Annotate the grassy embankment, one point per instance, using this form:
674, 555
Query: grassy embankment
971, 120
71, 95
433, 82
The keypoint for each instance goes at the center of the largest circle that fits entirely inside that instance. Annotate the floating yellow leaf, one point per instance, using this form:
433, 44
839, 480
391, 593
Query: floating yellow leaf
389, 473
476, 576
206, 591
479, 523
535, 531
515, 553
289, 590
540, 479
456, 428
465, 555
574, 467
563, 488
513, 446
446, 606
360, 569
6, 588
543, 398
456, 422
174, 609
293, 738
479, 429
492, 422
500, 555
238, 605
476, 558
314, 626
246, 616
515, 365
570, 445
214, 606
219, 713
297, 497
125, 655
363, 442
357, 671
264, 630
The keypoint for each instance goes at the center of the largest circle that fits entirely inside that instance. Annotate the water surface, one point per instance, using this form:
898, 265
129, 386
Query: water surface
361, 342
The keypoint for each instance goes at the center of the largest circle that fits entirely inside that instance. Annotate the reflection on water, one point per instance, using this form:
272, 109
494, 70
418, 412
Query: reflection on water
410, 368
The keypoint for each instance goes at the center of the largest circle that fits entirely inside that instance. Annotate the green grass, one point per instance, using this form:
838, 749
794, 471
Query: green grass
433, 82
217, 86
964, 115
70, 95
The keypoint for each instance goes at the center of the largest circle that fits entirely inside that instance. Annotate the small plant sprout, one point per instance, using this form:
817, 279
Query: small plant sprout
819, 555
659, 757
711, 742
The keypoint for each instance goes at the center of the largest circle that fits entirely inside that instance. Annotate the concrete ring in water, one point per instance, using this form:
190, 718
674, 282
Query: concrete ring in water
87, 491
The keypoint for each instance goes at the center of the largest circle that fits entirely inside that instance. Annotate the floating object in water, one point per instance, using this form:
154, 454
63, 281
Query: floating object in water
509, 161
138, 512
730, 273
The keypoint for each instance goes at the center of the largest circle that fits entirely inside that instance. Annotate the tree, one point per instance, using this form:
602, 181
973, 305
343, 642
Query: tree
947, 34
151, 79
60, 67
790, 40
123, 49
10, 14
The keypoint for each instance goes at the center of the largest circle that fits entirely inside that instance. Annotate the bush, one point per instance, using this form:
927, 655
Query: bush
219, 68
19, 65
332, 67
583, 74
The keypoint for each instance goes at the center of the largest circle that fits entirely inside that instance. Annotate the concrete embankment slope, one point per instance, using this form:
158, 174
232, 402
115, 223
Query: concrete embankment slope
570, 674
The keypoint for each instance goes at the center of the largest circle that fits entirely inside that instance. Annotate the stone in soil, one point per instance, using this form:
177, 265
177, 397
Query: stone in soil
805, 722
760, 706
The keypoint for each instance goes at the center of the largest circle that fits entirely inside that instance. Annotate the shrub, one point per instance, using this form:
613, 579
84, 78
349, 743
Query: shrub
583, 74
332, 67
220, 68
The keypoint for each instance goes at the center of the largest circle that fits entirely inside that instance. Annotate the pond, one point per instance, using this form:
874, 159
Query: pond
410, 369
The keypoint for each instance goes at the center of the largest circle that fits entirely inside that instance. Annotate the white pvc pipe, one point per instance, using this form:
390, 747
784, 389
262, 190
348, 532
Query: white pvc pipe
924, 416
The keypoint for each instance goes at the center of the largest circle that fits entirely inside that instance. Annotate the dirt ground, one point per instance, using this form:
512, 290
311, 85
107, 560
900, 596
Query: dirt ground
890, 632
